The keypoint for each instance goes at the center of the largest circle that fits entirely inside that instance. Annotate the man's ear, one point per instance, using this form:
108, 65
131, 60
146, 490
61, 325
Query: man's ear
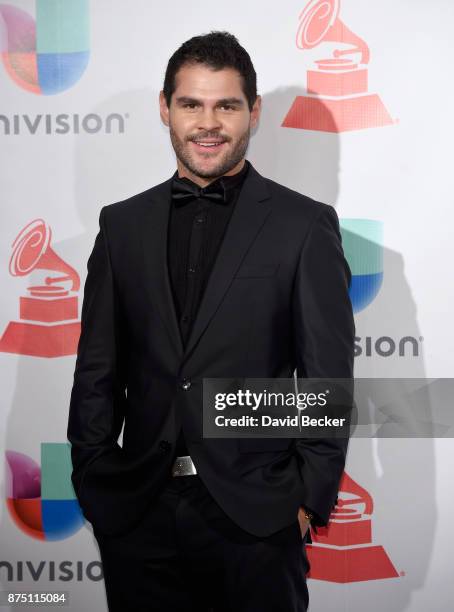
163, 108
255, 112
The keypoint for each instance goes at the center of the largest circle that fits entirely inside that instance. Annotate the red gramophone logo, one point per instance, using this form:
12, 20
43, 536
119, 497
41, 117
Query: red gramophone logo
48, 325
337, 86
343, 551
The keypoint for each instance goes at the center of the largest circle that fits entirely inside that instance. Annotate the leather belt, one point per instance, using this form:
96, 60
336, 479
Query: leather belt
183, 466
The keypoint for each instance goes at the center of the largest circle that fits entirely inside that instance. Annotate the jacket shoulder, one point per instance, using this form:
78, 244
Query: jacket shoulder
135, 202
293, 202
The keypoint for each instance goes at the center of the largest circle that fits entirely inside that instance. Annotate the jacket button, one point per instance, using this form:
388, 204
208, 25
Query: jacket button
164, 446
185, 384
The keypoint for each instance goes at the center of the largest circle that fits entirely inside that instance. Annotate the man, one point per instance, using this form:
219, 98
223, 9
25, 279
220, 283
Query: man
217, 272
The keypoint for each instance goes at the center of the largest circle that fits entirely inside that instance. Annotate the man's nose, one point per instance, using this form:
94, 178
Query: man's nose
209, 120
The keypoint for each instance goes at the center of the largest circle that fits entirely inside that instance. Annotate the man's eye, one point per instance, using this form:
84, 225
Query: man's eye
189, 105
228, 106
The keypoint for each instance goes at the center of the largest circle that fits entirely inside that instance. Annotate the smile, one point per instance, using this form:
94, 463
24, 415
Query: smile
208, 145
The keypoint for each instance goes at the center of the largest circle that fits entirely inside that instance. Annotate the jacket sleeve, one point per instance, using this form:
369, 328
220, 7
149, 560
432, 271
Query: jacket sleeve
97, 403
324, 334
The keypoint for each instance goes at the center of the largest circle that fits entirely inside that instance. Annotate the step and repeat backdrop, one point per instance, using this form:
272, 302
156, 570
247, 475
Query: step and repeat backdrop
356, 113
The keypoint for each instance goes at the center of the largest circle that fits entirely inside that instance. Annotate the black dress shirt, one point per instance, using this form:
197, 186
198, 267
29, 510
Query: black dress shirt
195, 231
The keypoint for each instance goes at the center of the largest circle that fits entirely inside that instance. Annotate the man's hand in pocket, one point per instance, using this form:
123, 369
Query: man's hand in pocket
304, 523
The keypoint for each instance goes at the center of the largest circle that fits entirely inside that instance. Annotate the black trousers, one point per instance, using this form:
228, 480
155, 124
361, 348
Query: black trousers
187, 555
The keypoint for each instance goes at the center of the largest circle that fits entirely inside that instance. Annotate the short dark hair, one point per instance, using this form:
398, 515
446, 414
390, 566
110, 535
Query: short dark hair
217, 50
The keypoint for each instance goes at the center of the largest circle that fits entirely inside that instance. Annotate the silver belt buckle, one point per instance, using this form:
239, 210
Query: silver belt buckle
183, 466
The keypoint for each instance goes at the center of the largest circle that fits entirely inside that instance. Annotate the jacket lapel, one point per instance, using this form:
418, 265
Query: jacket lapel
153, 233
249, 214
251, 211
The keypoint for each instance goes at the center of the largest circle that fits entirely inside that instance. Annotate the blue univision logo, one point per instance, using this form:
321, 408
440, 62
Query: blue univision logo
362, 240
40, 498
47, 55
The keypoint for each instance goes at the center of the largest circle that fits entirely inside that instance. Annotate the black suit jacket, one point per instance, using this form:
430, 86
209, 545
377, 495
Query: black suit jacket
277, 299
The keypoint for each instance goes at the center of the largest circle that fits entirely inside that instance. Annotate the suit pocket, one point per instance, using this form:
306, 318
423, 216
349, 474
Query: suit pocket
263, 445
257, 270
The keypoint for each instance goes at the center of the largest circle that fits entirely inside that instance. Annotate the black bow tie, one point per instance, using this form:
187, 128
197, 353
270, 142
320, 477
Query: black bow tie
183, 191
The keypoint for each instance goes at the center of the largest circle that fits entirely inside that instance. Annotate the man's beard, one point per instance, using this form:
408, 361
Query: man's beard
224, 165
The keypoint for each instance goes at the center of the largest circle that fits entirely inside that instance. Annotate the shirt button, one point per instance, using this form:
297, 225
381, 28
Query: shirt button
191, 269
164, 446
200, 219
184, 318
186, 384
